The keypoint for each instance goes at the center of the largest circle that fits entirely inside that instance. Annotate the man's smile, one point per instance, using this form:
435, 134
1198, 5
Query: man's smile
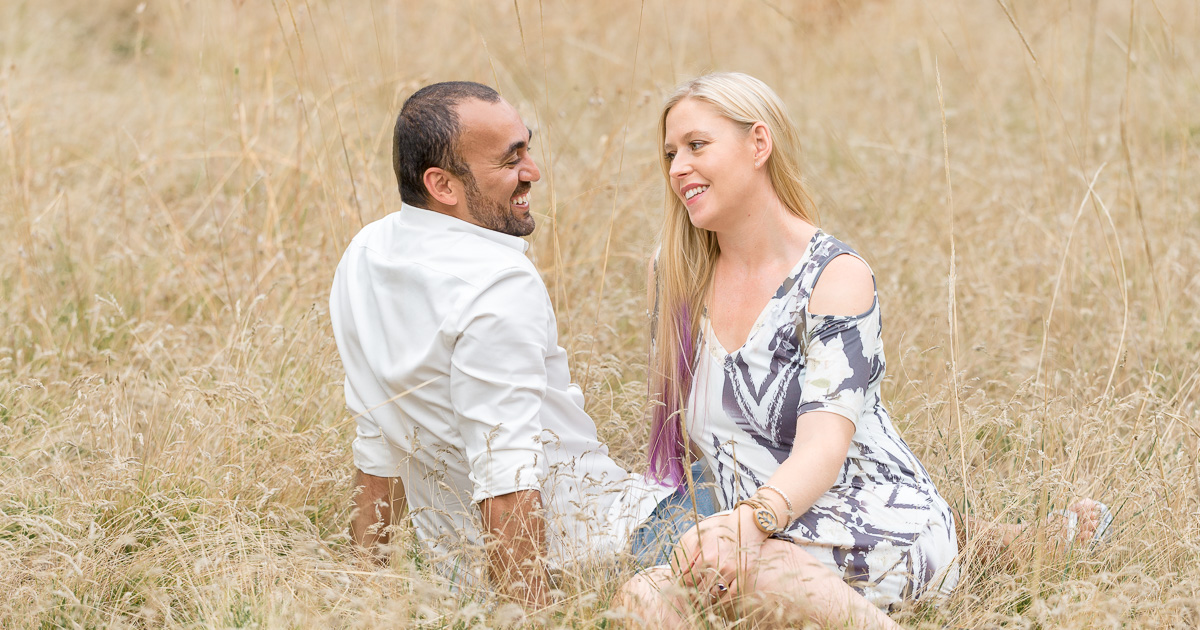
521, 198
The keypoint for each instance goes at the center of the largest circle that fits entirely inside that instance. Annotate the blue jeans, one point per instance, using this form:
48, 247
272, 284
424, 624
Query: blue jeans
653, 539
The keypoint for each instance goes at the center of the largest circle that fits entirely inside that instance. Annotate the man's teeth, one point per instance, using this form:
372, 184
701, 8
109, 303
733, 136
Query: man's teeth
695, 191
520, 201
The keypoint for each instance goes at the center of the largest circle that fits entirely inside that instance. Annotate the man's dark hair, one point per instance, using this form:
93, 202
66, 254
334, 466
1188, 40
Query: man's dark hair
426, 135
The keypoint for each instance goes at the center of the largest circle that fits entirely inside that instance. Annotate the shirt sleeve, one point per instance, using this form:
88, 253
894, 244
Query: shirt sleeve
843, 357
498, 381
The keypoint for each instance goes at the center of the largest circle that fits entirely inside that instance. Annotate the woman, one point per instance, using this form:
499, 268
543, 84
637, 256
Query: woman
829, 515
768, 356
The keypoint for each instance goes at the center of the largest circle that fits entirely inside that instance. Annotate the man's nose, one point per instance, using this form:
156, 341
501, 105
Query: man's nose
530, 172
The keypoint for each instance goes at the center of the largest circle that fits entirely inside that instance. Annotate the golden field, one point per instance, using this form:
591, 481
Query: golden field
178, 180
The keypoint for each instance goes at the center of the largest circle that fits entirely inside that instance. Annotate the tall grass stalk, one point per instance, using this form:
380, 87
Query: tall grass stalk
180, 179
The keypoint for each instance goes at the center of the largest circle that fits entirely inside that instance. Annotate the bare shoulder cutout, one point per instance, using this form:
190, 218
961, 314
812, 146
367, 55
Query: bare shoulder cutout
846, 287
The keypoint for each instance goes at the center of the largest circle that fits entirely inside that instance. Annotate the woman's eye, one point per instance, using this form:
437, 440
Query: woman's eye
670, 155
696, 145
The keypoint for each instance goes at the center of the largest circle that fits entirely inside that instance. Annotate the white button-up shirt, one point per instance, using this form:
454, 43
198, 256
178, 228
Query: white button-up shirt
459, 387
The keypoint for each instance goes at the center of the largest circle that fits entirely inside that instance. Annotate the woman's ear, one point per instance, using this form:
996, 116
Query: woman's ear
761, 136
441, 186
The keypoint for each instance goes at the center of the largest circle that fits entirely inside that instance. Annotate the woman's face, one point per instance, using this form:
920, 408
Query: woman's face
712, 163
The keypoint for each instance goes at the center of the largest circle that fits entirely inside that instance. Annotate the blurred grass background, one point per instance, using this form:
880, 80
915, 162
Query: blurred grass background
179, 179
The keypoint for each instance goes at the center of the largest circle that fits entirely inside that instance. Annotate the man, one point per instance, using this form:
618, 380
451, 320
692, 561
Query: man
453, 368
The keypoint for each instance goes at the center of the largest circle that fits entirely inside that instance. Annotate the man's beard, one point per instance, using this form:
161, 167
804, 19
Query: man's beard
494, 215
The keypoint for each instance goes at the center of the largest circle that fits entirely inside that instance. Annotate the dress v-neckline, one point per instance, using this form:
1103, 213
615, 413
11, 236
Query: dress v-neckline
715, 344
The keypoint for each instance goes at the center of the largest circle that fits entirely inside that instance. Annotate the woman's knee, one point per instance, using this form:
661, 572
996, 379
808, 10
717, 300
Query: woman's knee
646, 601
790, 581
637, 592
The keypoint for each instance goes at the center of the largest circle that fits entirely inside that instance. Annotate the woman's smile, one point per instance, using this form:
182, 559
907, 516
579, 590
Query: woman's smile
692, 192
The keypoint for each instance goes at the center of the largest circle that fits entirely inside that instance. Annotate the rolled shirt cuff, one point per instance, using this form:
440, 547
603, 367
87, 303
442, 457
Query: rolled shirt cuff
507, 477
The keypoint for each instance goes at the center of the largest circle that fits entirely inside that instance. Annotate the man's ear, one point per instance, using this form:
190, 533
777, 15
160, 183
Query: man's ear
442, 186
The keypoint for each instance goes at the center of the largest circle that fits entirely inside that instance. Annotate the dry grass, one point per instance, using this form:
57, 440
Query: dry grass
179, 179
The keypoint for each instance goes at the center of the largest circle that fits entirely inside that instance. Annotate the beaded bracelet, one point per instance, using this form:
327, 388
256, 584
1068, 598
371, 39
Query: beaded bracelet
786, 501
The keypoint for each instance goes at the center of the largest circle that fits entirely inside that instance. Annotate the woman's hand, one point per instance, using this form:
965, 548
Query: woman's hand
717, 555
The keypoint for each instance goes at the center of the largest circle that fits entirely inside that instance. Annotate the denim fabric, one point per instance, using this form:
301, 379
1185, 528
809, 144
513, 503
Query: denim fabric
653, 539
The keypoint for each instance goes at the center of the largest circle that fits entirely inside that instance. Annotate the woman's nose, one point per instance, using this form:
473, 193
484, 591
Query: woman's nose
679, 167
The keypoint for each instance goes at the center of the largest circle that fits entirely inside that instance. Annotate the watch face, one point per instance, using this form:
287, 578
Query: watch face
766, 520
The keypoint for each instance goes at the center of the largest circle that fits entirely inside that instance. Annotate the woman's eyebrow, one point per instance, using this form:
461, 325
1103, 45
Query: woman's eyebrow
687, 136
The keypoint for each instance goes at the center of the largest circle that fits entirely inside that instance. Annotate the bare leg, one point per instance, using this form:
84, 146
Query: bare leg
654, 601
376, 501
787, 587
791, 587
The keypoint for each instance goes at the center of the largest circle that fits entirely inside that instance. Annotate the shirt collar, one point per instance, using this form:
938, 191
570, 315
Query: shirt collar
430, 219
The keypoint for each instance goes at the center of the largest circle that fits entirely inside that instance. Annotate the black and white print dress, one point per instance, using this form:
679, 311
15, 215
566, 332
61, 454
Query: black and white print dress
883, 526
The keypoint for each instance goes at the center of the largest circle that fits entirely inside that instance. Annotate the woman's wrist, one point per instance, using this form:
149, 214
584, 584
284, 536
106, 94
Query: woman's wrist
747, 523
772, 496
776, 505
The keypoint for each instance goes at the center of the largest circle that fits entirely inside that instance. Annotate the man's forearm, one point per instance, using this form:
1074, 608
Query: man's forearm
516, 542
378, 503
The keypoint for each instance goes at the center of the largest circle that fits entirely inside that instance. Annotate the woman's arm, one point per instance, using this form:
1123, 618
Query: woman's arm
845, 288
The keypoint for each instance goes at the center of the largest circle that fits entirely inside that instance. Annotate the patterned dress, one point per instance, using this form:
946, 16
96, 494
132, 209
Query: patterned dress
883, 526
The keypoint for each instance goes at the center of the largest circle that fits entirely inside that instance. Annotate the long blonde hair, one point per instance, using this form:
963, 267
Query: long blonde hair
687, 254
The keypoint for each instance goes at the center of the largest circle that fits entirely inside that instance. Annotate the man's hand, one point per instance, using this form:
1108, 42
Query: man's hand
516, 539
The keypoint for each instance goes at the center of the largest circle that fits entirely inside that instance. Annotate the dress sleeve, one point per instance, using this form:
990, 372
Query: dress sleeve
498, 381
842, 360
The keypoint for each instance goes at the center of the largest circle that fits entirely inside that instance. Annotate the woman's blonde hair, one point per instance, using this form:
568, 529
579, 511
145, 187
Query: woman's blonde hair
686, 255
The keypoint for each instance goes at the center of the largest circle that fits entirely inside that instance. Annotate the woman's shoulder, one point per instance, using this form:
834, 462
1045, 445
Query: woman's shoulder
845, 285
